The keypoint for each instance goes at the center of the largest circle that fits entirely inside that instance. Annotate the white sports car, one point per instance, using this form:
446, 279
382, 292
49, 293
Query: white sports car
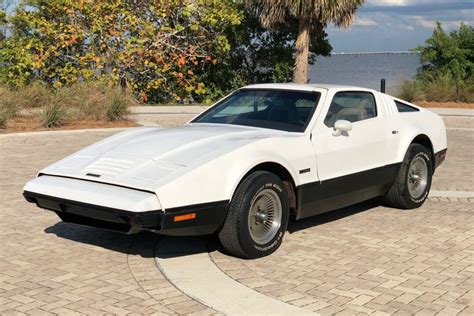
243, 166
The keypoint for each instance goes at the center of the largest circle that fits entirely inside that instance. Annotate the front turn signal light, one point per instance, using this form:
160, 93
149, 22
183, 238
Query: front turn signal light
185, 217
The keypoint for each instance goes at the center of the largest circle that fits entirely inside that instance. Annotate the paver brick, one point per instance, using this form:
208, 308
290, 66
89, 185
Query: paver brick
423, 270
49, 267
360, 260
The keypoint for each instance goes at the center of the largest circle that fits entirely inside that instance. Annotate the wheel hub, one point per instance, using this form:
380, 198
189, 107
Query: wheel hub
417, 177
265, 215
260, 217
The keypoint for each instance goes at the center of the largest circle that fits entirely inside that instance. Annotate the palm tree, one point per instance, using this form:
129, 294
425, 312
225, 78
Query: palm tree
312, 15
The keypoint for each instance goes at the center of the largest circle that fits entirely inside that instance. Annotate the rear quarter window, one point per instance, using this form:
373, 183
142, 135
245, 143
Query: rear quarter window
402, 107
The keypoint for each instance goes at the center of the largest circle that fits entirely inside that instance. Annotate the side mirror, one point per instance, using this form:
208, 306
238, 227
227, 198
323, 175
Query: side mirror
341, 126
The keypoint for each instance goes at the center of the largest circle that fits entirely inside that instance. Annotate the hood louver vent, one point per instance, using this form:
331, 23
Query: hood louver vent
108, 166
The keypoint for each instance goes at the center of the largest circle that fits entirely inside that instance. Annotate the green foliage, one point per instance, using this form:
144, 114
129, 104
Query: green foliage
160, 47
83, 101
117, 108
78, 102
445, 88
53, 115
259, 54
35, 95
181, 51
447, 64
3, 120
8, 107
451, 54
94, 101
307, 19
410, 91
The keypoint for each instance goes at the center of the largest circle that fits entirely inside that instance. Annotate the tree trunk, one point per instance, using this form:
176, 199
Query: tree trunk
300, 73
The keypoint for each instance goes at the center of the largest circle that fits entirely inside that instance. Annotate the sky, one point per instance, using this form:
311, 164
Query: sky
398, 25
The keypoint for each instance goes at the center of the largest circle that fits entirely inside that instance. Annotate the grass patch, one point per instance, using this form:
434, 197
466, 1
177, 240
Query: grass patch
117, 107
53, 116
35, 95
437, 89
8, 108
410, 91
445, 88
77, 103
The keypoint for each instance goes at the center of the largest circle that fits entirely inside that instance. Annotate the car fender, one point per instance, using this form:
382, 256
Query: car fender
264, 158
218, 179
430, 125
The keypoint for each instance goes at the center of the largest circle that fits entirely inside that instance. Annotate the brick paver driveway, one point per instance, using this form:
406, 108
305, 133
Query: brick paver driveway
364, 259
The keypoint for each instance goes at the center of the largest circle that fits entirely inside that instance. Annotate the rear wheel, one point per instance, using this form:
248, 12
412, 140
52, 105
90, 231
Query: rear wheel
257, 217
413, 182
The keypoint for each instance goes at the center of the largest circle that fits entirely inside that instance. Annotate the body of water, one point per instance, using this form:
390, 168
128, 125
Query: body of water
365, 70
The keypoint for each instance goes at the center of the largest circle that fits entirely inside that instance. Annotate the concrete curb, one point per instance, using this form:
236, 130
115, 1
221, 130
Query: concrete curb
68, 131
453, 112
180, 259
452, 194
173, 110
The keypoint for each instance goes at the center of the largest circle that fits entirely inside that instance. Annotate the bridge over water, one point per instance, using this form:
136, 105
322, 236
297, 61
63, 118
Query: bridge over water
378, 53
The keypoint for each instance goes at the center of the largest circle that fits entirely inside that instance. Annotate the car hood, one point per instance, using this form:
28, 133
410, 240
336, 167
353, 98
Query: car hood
146, 158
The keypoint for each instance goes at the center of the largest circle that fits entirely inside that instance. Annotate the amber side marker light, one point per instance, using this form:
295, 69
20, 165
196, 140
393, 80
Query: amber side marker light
185, 217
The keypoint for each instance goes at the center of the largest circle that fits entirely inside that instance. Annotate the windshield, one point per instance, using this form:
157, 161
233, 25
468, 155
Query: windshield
282, 110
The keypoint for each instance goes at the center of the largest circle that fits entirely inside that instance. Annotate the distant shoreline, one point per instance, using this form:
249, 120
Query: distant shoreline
378, 53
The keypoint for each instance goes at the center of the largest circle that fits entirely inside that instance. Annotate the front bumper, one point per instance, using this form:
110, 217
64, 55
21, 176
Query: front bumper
96, 215
121, 209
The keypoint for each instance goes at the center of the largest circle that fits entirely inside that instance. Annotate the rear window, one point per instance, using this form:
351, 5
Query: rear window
402, 107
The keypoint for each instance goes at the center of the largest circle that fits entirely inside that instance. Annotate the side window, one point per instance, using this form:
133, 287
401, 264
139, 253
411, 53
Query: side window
351, 106
402, 107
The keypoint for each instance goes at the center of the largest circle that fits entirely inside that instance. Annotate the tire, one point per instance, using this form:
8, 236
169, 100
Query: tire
405, 193
251, 229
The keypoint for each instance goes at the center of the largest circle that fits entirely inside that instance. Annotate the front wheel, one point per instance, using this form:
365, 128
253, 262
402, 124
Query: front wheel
257, 218
413, 182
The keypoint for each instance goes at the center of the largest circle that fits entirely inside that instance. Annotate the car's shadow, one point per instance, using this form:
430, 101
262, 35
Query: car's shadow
331, 216
150, 245
145, 244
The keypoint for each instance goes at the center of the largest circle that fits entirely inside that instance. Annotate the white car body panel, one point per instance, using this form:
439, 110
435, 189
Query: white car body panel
347, 154
95, 193
153, 169
218, 179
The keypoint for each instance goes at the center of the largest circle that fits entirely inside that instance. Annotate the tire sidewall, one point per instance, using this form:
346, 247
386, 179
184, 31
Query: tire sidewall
424, 153
254, 250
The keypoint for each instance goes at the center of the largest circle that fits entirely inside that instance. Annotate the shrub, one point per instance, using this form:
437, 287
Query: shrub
6, 113
117, 107
83, 101
3, 121
8, 107
441, 89
410, 91
94, 101
51, 41
34, 95
466, 91
53, 115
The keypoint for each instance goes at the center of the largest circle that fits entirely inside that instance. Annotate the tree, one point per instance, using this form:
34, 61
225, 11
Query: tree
168, 51
260, 55
312, 16
162, 48
448, 54
447, 64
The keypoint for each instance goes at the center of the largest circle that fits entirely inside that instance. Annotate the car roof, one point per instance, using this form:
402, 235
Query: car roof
305, 87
